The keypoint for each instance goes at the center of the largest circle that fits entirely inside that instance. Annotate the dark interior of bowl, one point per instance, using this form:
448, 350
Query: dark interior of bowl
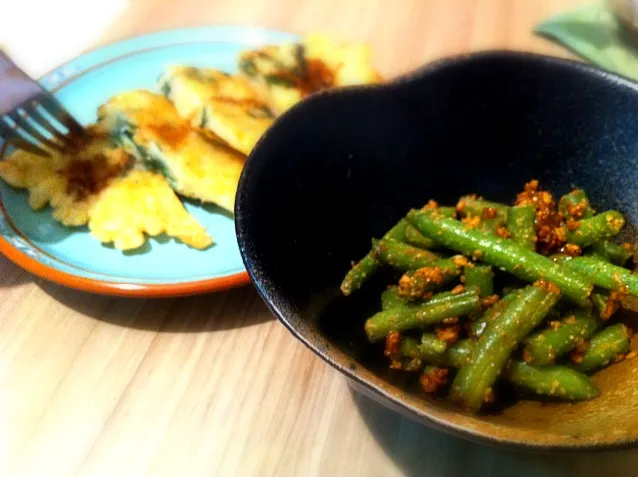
344, 166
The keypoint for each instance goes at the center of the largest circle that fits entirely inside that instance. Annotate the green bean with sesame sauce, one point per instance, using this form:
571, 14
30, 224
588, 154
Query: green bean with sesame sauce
363, 270
485, 324
494, 226
402, 257
562, 336
470, 205
420, 315
612, 252
600, 301
503, 253
407, 358
604, 274
473, 383
599, 227
444, 211
368, 266
490, 217
479, 276
390, 298
409, 347
416, 283
560, 381
606, 304
575, 205
478, 326
552, 380
520, 223
428, 348
415, 238
605, 346
453, 356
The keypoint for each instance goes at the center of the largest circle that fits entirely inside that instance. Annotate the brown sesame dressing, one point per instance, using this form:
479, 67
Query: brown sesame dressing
433, 380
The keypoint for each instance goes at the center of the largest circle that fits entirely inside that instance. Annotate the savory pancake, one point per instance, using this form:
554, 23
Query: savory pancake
94, 183
149, 128
284, 74
225, 105
142, 203
69, 181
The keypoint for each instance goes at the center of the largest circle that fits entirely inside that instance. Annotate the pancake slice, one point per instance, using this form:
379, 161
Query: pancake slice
147, 126
223, 104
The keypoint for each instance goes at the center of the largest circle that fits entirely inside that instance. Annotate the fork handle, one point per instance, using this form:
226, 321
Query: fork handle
6, 63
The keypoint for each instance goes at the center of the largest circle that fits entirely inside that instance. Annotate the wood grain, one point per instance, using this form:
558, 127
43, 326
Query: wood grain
212, 385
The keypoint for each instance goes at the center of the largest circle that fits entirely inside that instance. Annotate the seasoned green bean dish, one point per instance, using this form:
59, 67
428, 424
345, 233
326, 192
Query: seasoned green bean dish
489, 296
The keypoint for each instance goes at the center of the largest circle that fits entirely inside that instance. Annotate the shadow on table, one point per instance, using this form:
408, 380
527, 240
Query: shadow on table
11, 275
420, 451
230, 309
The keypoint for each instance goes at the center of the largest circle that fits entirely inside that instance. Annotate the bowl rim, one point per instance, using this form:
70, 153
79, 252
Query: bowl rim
359, 376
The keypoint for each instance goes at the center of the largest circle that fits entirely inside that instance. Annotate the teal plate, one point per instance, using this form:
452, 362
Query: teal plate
163, 267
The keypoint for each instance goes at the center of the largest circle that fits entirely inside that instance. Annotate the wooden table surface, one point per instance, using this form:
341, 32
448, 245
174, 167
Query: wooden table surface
213, 385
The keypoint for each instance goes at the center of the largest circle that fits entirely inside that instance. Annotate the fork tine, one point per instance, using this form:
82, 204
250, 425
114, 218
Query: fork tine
13, 136
55, 109
21, 120
45, 123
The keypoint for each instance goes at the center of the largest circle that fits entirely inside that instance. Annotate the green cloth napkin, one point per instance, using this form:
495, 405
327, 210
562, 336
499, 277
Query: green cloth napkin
592, 32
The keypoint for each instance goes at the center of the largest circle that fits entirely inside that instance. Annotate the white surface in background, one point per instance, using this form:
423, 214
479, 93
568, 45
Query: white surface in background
41, 34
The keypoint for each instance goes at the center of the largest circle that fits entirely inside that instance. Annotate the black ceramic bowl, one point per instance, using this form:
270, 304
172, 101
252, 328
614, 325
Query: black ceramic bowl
344, 166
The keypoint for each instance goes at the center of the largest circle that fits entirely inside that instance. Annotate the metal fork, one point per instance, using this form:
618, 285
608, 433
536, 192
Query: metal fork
30, 117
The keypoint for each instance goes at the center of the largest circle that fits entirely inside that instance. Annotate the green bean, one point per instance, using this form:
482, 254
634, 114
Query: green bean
359, 274
545, 346
481, 277
431, 346
612, 252
606, 304
600, 301
478, 326
409, 347
369, 265
561, 381
492, 215
454, 356
470, 205
604, 346
553, 380
402, 257
603, 274
449, 212
415, 283
472, 385
492, 226
520, 223
575, 205
419, 315
390, 298
503, 253
415, 238
408, 355
599, 227
459, 354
